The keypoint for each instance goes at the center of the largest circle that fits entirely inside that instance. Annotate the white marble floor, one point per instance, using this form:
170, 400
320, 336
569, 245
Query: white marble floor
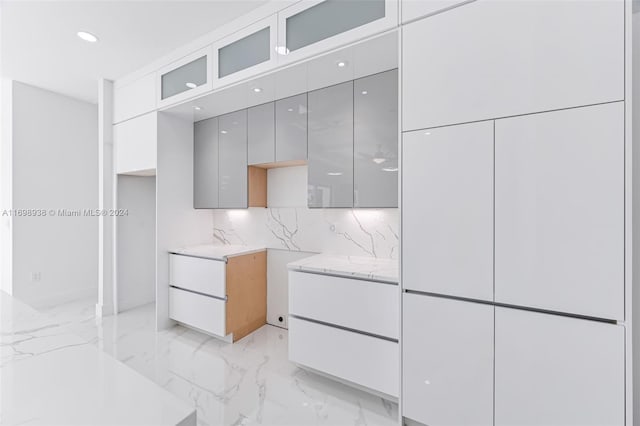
246, 383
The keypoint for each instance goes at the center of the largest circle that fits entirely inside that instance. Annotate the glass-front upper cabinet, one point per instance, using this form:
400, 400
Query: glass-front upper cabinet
310, 27
246, 52
185, 78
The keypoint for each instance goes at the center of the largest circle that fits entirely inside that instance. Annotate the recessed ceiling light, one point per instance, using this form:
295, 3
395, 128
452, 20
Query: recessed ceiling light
379, 160
197, 108
290, 109
341, 64
334, 173
390, 169
427, 133
282, 50
191, 85
364, 92
257, 89
87, 36
224, 132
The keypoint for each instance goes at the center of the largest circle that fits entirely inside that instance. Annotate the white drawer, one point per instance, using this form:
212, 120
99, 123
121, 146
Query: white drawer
203, 312
368, 306
202, 275
364, 360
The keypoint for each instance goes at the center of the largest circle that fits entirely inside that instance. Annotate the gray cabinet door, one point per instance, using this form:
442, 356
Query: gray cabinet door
261, 134
331, 146
233, 160
205, 164
291, 128
375, 139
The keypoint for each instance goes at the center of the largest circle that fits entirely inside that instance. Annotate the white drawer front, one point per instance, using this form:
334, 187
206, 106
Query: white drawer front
367, 361
203, 312
368, 306
202, 275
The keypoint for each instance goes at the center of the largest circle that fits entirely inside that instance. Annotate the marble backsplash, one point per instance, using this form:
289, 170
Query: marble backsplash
354, 232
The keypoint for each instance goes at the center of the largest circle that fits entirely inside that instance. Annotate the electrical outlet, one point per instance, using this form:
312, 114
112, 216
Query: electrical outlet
35, 276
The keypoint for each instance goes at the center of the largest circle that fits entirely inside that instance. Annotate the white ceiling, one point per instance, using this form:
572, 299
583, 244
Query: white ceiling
39, 45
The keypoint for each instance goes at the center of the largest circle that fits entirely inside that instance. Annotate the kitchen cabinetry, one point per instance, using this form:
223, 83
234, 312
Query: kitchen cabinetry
375, 140
221, 176
414, 9
331, 146
185, 78
291, 128
557, 370
331, 331
447, 361
221, 297
559, 209
459, 66
261, 134
448, 178
135, 145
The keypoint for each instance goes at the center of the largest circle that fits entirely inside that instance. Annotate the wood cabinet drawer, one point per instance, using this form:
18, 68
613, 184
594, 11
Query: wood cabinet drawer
196, 274
364, 360
202, 312
368, 306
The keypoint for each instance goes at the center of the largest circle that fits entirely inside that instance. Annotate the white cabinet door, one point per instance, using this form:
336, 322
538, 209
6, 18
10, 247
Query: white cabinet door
200, 275
447, 364
554, 370
447, 210
202, 312
361, 305
364, 360
414, 9
136, 145
491, 59
560, 211
135, 98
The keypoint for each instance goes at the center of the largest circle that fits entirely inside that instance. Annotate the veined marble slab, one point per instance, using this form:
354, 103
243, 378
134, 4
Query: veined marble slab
369, 268
49, 376
217, 252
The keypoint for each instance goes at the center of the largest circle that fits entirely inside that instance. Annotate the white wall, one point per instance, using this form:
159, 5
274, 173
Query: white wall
6, 95
55, 166
136, 239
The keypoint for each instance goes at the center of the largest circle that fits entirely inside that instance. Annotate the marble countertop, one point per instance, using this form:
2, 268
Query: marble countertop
217, 252
49, 376
370, 268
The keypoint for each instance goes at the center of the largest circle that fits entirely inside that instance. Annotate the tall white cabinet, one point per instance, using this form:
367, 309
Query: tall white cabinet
513, 214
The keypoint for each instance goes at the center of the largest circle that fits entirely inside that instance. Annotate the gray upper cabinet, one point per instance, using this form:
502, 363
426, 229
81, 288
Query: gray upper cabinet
205, 164
233, 160
186, 77
261, 133
244, 53
291, 128
331, 146
375, 138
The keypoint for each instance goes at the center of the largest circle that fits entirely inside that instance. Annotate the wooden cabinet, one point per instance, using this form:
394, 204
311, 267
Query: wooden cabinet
219, 297
447, 361
261, 134
491, 59
559, 211
291, 129
557, 370
447, 213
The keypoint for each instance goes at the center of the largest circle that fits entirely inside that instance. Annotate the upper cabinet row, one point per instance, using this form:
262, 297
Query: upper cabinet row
302, 30
347, 134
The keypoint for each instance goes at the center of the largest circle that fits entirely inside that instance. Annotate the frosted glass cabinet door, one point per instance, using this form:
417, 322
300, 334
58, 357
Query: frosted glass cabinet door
447, 210
555, 370
447, 364
291, 128
331, 146
375, 140
261, 133
490, 59
560, 211
205, 164
233, 160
